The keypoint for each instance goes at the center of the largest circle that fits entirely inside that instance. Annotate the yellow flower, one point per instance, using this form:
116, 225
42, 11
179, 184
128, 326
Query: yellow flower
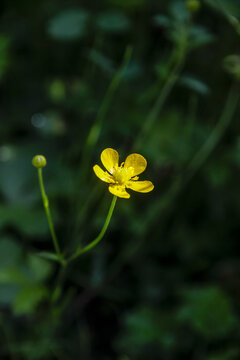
123, 176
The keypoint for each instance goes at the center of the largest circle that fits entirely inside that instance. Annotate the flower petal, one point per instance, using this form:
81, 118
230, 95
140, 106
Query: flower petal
119, 190
110, 158
140, 186
135, 163
103, 175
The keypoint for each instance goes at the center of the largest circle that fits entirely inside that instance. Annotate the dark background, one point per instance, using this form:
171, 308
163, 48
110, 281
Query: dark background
153, 77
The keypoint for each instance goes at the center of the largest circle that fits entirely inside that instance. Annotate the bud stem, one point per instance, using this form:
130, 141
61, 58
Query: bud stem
48, 214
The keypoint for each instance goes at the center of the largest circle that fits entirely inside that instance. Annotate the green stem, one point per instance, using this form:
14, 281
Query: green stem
96, 128
59, 284
217, 133
157, 107
48, 214
88, 247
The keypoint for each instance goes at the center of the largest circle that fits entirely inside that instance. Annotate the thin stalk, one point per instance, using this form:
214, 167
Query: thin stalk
48, 214
157, 107
217, 133
88, 247
96, 128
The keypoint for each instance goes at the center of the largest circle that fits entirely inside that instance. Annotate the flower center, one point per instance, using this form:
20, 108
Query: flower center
122, 175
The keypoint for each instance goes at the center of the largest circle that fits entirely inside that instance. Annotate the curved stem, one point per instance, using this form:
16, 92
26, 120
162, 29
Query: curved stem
88, 247
48, 214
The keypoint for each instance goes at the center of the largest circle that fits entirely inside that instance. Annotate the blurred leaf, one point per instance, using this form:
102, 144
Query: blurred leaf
179, 11
101, 60
56, 90
16, 162
36, 347
169, 144
4, 54
217, 173
114, 21
132, 71
194, 84
28, 221
13, 275
8, 293
161, 20
39, 269
141, 327
128, 3
35, 270
145, 326
28, 299
10, 252
48, 255
68, 25
209, 312
231, 64
226, 6
231, 354
200, 36
234, 22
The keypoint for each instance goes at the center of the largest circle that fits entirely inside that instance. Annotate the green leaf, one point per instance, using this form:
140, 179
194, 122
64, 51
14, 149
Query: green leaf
10, 253
114, 21
68, 25
200, 36
179, 11
39, 269
208, 311
8, 293
57, 90
28, 299
13, 275
29, 222
145, 325
194, 84
48, 255
161, 20
102, 61
131, 4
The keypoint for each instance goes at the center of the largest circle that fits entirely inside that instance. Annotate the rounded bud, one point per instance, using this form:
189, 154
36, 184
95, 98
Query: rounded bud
39, 161
193, 5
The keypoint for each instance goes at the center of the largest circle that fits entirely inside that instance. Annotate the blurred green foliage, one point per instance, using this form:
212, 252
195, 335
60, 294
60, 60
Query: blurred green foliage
139, 76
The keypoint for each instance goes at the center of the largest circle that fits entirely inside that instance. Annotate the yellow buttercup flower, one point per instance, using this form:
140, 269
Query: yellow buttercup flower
123, 176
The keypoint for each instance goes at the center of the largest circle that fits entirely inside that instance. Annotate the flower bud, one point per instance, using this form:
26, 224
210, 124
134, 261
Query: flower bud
39, 161
192, 5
